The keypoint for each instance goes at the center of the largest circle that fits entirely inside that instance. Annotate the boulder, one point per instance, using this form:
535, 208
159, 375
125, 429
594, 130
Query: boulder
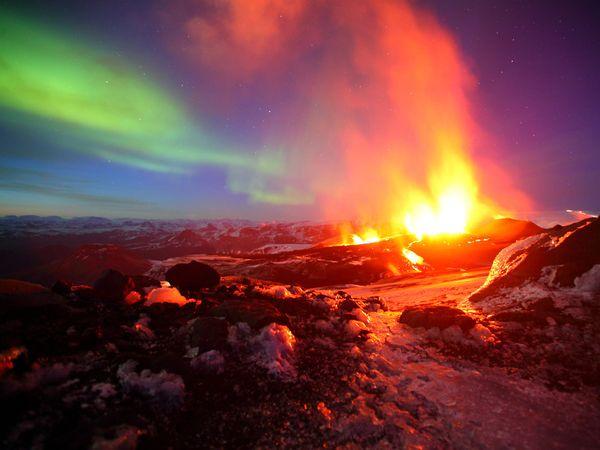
348, 305
113, 286
192, 277
436, 316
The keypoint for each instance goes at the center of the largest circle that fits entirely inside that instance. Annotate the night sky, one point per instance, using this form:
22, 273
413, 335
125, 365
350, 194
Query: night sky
287, 110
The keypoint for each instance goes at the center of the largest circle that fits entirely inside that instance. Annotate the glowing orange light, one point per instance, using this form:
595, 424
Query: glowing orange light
412, 256
450, 204
368, 236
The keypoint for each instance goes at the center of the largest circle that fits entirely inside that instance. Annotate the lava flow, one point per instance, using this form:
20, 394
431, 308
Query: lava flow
449, 213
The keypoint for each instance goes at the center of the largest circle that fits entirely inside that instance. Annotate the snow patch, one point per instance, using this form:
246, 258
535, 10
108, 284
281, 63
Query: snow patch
510, 257
165, 295
164, 387
278, 292
589, 282
274, 351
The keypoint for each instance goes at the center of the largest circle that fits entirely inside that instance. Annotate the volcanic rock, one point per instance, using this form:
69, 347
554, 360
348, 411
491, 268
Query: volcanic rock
436, 316
192, 276
348, 305
302, 307
113, 285
255, 312
62, 288
561, 257
208, 333
538, 313
21, 294
83, 291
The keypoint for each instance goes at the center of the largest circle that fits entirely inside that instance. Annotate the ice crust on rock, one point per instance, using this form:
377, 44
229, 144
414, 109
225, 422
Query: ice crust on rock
589, 282
277, 292
272, 348
274, 351
163, 387
510, 257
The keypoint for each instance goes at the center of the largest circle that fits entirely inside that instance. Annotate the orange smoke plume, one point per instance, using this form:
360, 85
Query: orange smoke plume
371, 107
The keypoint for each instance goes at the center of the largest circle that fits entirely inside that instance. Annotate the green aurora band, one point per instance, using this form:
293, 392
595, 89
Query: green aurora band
105, 108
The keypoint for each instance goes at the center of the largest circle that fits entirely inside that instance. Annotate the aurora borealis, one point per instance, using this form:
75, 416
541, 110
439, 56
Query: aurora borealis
290, 109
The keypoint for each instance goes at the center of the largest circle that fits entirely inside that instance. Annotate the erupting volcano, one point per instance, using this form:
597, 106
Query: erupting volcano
299, 224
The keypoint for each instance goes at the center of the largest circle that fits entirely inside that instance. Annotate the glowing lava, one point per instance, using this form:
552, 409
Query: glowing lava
368, 236
449, 215
412, 257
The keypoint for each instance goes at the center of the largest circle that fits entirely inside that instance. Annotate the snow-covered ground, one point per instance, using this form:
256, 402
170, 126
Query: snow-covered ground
404, 291
443, 401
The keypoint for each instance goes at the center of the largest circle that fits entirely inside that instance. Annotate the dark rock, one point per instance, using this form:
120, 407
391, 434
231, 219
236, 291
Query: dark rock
192, 276
208, 333
90, 337
83, 292
255, 312
113, 286
162, 311
348, 305
16, 294
301, 307
144, 281
61, 288
436, 316
536, 313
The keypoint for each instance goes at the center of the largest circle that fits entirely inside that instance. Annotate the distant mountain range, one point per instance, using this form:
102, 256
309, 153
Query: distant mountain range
44, 249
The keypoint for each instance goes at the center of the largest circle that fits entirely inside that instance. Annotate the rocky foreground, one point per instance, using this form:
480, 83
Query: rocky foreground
228, 362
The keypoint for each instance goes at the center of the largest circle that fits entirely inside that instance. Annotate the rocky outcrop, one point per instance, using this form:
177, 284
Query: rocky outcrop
113, 285
564, 257
436, 316
192, 277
